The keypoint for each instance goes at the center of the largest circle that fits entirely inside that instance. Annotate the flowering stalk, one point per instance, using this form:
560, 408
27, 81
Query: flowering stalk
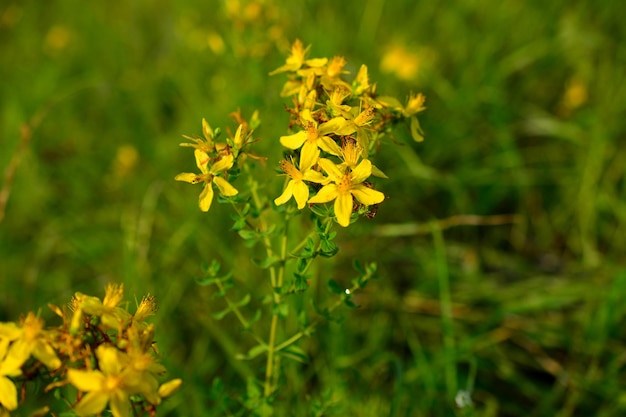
336, 128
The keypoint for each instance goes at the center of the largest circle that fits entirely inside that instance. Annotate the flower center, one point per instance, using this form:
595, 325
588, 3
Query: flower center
345, 184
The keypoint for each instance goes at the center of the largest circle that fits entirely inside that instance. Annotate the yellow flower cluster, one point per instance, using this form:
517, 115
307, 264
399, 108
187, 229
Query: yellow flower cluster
215, 159
340, 126
101, 349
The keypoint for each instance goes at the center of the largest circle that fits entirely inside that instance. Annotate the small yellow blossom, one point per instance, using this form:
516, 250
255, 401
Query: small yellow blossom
335, 102
351, 153
313, 137
206, 145
297, 59
361, 82
346, 185
28, 339
296, 187
414, 105
111, 315
209, 176
111, 384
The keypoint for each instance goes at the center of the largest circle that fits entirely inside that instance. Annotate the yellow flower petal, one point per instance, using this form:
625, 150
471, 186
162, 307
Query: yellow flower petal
332, 126
286, 195
86, 380
120, 404
187, 177
206, 197
307, 163
225, 188
314, 176
293, 141
110, 360
223, 164
309, 155
10, 331
8, 393
92, 403
44, 352
201, 160
366, 195
343, 209
329, 145
300, 193
326, 194
362, 172
331, 169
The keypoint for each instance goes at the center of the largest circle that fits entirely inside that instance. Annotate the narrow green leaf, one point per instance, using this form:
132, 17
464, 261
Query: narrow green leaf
295, 353
252, 353
221, 314
267, 262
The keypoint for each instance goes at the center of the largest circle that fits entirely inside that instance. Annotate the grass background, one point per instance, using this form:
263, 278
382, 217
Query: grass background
525, 118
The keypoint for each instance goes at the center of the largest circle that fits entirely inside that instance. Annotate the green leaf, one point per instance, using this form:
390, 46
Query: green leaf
281, 310
348, 301
244, 301
267, 262
252, 353
416, 131
328, 248
335, 287
357, 265
221, 314
300, 281
295, 353
208, 280
248, 234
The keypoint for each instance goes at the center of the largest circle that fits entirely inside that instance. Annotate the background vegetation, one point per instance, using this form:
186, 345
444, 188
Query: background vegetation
525, 122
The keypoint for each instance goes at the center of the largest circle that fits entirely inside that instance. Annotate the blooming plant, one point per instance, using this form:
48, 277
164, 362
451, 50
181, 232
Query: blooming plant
336, 128
101, 357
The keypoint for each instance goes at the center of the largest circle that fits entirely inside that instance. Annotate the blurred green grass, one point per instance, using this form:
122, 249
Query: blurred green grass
525, 117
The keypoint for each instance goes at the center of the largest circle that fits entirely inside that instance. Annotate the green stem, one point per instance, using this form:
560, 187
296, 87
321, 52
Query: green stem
235, 309
446, 310
270, 371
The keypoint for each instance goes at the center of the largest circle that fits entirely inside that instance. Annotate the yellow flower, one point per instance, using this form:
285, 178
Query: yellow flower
415, 104
112, 384
313, 137
347, 185
8, 390
336, 99
296, 187
111, 315
361, 82
209, 176
297, 59
351, 153
206, 145
28, 339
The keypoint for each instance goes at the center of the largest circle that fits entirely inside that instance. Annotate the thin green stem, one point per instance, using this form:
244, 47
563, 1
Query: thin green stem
446, 310
270, 371
235, 309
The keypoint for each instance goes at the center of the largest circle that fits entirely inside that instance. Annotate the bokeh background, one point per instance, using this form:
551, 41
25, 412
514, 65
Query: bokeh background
525, 122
